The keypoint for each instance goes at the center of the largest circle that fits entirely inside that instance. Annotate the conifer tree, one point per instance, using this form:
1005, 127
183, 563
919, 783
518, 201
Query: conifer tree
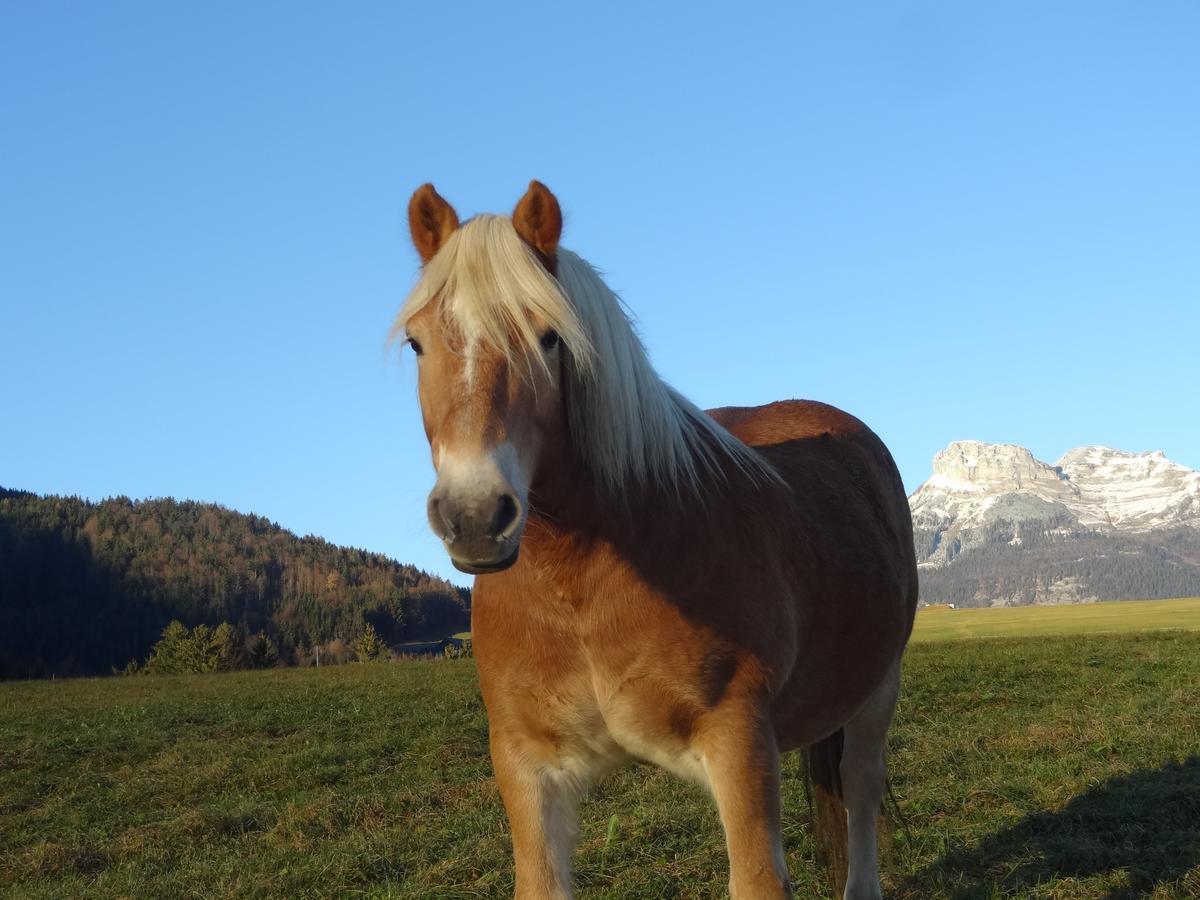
262, 652
370, 646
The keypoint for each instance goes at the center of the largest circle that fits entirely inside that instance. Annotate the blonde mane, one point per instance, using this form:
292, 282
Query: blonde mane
625, 421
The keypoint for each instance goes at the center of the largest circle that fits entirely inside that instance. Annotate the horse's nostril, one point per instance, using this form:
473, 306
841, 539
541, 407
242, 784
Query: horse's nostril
506, 514
442, 523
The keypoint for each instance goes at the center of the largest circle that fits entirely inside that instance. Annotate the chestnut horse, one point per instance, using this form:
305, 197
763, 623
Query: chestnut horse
703, 591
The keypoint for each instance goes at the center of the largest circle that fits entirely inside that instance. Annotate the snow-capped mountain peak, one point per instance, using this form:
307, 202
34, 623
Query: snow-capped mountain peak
993, 525
975, 484
1134, 491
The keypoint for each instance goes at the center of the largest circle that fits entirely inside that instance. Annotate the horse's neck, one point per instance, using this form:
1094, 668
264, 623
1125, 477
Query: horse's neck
572, 516
570, 504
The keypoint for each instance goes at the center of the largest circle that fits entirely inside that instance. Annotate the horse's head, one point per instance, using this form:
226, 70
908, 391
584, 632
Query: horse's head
529, 367
491, 330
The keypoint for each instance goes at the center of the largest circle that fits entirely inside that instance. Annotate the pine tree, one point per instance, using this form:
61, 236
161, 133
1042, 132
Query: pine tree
262, 652
168, 656
180, 651
221, 646
370, 646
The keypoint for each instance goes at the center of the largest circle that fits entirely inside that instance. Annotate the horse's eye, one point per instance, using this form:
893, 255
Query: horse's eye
549, 340
416, 345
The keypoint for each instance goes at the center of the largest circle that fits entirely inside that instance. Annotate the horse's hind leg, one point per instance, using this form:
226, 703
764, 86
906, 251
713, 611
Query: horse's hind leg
864, 783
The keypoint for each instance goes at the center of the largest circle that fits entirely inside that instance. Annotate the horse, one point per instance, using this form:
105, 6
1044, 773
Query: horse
703, 591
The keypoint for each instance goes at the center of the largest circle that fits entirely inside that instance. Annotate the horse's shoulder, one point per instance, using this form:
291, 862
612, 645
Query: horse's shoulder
787, 420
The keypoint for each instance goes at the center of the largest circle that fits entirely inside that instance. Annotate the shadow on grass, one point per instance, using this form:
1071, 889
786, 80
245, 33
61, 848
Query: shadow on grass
1142, 830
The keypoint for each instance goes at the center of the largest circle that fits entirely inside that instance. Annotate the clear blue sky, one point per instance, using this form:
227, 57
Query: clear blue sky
956, 221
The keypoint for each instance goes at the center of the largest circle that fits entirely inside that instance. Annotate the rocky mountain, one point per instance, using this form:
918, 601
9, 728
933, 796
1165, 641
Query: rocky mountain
996, 526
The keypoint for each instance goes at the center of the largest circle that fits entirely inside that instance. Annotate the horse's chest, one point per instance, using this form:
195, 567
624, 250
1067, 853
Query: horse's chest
598, 719
608, 682
649, 720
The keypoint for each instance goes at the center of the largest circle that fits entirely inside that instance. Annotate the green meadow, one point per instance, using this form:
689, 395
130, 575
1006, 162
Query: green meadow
941, 623
1054, 767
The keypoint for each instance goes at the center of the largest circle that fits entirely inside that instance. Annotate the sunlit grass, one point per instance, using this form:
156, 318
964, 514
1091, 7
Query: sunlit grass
941, 623
1049, 767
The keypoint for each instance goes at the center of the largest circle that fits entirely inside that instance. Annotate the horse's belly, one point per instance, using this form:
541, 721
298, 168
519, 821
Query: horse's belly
840, 663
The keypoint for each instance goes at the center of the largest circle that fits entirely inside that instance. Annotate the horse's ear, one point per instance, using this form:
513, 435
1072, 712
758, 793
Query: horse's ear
538, 220
431, 220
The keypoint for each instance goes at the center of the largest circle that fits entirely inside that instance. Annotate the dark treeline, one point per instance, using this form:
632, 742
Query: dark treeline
87, 587
1046, 561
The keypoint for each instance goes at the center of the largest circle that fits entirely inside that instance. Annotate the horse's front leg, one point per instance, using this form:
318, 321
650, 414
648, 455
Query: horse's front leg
741, 760
541, 798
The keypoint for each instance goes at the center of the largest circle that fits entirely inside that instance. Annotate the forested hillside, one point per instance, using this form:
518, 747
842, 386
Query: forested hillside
85, 587
1052, 561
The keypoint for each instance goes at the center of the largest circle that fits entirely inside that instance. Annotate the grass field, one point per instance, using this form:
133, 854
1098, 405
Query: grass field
1050, 767
940, 623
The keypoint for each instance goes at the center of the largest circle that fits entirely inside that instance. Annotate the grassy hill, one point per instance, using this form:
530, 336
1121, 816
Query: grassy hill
1048, 767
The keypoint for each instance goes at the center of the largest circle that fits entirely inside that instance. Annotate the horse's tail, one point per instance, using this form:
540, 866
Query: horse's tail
823, 787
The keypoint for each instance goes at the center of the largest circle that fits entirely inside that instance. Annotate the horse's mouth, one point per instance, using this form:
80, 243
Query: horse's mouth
486, 568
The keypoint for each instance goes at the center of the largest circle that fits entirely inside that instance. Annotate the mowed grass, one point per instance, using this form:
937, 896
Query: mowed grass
1050, 767
941, 623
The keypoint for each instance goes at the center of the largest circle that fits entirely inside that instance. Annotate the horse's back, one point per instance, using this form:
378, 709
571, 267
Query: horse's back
785, 420
817, 447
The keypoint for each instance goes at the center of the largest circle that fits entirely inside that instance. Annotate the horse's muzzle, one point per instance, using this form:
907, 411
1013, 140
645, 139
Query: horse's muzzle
482, 534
